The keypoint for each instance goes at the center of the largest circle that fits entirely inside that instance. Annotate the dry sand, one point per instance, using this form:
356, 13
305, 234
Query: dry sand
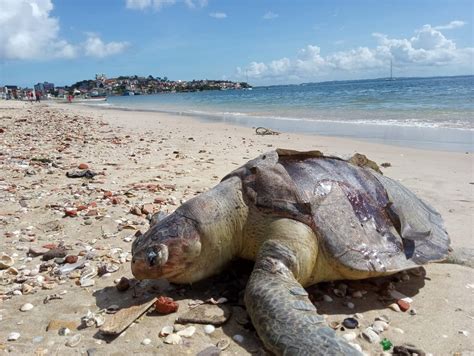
150, 157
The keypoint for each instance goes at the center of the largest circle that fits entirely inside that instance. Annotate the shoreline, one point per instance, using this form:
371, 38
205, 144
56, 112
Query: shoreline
450, 139
159, 161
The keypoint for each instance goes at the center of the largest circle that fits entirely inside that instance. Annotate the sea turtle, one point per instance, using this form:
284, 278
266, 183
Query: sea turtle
303, 217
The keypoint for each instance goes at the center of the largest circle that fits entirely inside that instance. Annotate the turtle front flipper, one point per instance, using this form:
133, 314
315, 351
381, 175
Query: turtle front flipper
281, 312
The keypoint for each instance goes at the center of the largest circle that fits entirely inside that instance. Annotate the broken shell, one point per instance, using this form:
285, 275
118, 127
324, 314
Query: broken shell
6, 261
166, 330
173, 339
370, 335
188, 332
64, 331
394, 307
335, 325
14, 336
26, 307
73, 341
223, 344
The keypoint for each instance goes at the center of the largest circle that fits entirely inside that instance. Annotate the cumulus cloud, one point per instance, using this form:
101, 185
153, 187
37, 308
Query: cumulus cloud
451, 25
27, 31
428, 47
95, 47
218, 15
269, 15
158, 4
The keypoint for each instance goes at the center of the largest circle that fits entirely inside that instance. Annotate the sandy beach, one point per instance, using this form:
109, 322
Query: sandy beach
160, 160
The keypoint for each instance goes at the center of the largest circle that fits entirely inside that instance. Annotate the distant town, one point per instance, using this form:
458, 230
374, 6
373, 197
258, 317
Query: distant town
102, 86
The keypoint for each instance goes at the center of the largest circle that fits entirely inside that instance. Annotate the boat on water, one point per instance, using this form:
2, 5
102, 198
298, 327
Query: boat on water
81, 99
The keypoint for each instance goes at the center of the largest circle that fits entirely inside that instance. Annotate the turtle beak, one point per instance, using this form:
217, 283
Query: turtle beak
157, 255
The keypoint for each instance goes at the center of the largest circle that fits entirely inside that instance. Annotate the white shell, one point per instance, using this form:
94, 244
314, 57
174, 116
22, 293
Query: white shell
146, 342
370, 335
26, 307
173, 339
188, 332
209, 329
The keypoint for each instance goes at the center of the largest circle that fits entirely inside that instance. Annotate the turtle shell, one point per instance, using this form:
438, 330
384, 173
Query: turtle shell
364, 220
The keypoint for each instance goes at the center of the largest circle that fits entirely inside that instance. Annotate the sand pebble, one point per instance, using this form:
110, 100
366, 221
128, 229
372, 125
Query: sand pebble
238, 338
14, 336
209, 329
463, 332
357, 294
349, 336
398, 331
73, 341
146, 342
327, 298
26, 307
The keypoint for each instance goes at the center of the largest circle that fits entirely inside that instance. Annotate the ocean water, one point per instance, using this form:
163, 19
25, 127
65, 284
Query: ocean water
434, 113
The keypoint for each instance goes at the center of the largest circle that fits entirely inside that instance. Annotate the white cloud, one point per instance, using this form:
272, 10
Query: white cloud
269, 15
95, 47
158, 4
27, 31
218, 15
451, 25
426, 49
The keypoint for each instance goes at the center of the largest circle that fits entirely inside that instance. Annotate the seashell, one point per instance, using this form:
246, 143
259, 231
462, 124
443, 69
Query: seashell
166, 330
188, 332
73, 341
383, 318
379, 326
112, 309
209, 329
14, 336
335, 325
223, 344
370, 335
394, 307
6, 261
146, 342
173, 339
26, 307
357, 294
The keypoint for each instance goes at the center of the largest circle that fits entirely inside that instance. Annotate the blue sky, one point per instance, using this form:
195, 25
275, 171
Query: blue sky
268, 41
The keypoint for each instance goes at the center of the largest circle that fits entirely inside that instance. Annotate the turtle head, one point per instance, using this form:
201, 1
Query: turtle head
169, 249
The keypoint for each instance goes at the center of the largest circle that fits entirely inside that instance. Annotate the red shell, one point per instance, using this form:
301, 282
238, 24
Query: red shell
166, 305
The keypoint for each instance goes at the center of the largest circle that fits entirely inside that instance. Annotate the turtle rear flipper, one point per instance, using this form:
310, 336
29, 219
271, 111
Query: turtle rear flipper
281, 311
